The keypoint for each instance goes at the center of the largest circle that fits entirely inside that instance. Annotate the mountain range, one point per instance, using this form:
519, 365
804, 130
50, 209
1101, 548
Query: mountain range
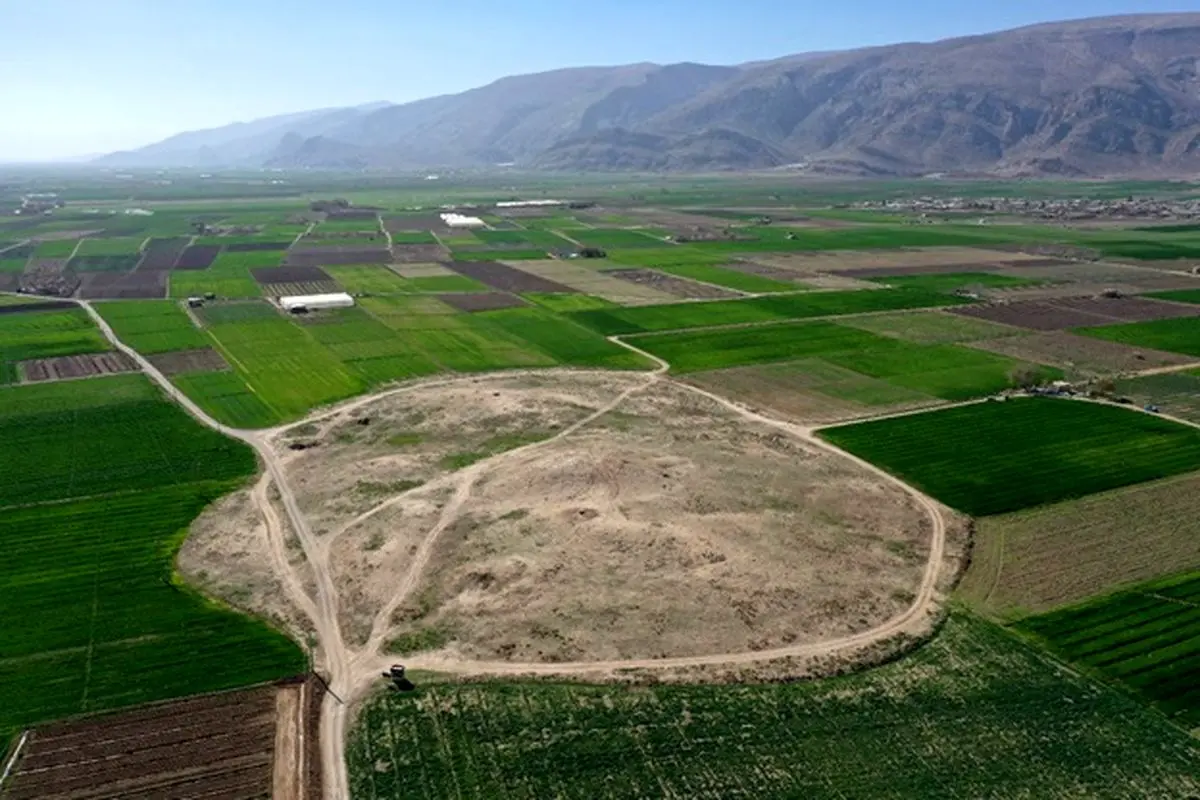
1108, 96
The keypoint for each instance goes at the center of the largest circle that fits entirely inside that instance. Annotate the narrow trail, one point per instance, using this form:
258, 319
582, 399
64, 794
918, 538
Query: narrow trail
352, 672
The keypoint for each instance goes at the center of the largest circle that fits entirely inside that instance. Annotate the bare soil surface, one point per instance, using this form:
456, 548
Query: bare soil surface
581, 275
1076, 312
219, 745
179, 362
672, 285
667, 528
62, 368
228, 554
850, 260
1081, 356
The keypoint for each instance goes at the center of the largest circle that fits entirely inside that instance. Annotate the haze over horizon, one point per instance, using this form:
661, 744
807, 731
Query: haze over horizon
88, 78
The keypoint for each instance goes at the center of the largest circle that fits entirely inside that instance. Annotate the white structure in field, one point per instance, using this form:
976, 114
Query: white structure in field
529, 203
461, 221
316, 302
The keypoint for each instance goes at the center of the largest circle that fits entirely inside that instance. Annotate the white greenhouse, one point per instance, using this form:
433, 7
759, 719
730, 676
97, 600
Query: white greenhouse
316, 302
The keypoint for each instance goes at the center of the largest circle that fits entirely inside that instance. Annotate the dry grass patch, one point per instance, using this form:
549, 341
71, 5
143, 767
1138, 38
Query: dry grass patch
1036, 560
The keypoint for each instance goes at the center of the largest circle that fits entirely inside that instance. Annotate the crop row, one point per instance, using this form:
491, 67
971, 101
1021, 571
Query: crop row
996, 457
1146, 637
153, 326
119, 446
974, 704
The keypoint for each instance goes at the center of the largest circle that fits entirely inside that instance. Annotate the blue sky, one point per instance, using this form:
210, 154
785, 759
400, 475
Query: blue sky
86, 76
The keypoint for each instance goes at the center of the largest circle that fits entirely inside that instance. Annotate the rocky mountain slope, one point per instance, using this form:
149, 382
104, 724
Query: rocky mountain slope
1117, 95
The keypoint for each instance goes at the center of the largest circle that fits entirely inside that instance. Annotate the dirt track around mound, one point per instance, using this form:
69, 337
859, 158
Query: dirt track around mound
353, 670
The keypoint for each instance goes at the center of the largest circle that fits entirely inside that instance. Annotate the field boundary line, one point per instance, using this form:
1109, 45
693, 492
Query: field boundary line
12, 759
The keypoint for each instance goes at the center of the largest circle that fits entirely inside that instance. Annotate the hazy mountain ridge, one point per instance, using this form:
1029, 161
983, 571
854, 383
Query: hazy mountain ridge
1116, 95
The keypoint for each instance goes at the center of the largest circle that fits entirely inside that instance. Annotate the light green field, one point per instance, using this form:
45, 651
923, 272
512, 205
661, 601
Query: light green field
284, 365
45, 334
152, 326
369, 279
453, 340
564, 341
226, 397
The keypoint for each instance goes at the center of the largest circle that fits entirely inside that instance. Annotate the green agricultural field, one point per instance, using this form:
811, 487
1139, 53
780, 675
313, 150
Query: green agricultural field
932, 327
1031, 451
189, 283
242, 263
563, 340
153, 326
539, 239
670, 256
59, 248
447, 284
565, 303
1179, 296
96, 619
13, 264
1146, 639
67, 451
731, 279
472, 254
679, 316
45, 334
974, 714
952, 282
1173, 335
453, 340
281, 361
371, 349
618, 238
413, 237
935, 371
227, 398
121, 246
370, 279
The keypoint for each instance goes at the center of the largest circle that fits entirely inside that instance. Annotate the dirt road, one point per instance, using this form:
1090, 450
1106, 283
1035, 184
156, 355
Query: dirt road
353, 673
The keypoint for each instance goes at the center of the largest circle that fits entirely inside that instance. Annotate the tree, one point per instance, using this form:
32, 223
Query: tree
1024, 377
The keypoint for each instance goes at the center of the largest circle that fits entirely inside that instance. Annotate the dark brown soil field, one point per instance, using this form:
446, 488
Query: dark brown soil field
1130, 309
162, 253
198, 256
45, 305
132, 285
221, 745
336, 256
680, 287
289, 274
419, 253
67, 367
256, 247
1075, 312
507, 279
184, 361
485, 301
1035, 315
1080, 355
304, 288
352, 213
411, 224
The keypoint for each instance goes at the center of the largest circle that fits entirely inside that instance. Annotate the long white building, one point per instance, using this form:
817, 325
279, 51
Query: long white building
316, 302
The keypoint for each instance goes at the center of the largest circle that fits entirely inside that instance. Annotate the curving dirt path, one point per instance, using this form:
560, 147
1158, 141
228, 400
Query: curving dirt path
352, 673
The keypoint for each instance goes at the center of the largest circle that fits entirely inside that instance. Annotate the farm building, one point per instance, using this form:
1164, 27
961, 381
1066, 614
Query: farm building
461, 221
316, 302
